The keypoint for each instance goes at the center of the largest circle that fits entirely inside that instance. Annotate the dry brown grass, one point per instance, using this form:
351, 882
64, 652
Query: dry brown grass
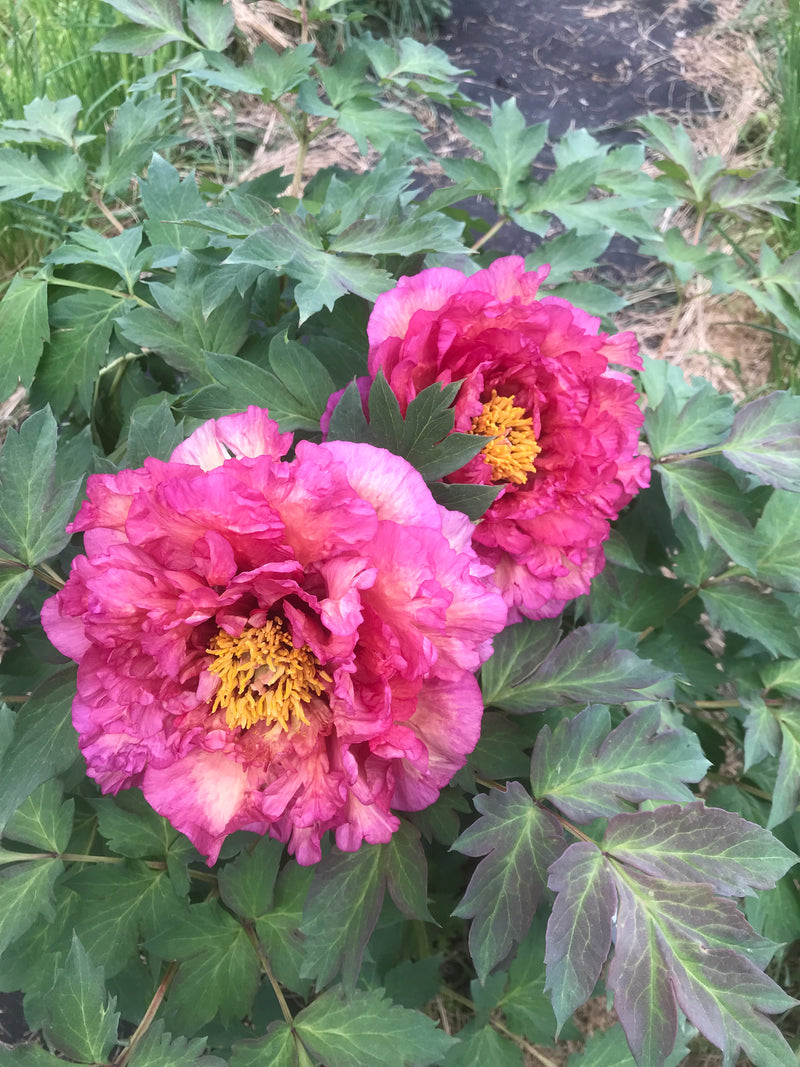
712, 335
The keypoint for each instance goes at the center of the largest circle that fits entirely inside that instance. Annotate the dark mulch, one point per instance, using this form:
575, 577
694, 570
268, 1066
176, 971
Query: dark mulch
594, 65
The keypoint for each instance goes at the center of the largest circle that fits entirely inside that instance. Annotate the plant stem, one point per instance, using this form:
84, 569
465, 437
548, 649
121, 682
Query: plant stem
99, 289
520, 1042
490, 233
303, 141
42, 571
149, 1015
273, 981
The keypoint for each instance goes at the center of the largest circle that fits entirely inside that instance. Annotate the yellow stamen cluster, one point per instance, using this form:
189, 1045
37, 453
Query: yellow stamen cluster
512, 453
264, 677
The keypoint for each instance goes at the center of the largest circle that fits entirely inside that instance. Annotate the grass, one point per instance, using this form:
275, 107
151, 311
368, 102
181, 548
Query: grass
786, 138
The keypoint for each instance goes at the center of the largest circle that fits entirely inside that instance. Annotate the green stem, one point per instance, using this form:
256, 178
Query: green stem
520, 1042
303, 140
42, 571
490, 233
273, 981
99, 289
149, 1015
731, 572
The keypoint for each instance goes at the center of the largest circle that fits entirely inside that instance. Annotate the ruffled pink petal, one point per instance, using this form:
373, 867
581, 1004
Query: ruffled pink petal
250, 434
428, 290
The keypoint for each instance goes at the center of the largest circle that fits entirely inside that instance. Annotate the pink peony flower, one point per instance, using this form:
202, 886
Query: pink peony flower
282, 647
536, 376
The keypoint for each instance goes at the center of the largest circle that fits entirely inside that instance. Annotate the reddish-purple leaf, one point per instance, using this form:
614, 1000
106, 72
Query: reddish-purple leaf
765, 440
587, 665
680, 946
580, 926
519, 840
696, 843
589, 770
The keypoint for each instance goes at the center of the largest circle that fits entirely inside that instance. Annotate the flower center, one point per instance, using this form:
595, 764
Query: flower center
512, 453
264, 677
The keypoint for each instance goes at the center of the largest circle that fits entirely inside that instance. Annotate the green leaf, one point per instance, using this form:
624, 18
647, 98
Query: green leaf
267, 74
765, 440
518, 651
219, 970
245, 384
24, 328
473, 500
761, 191
131, 828
159, 14
481, 1045
30, 962
279, 929
588, 770
211, 22
786, 793
28, 1056
407, 872
167, 199
713, 504
293, 247
341, 910
751, 612
366, 1029
783, 676
777, 544
586, 665
526, 1006
139, 129
33, 509
26, 892
44, 742
382, 126
152, 432
398, 236
247, 884
119, 254
120, 906
46, 120
509, 147
303, 377
82, 327
42, 820
135, 40
609, 1048
519, 841
700, 422
278, 1049
79, 1020
775, 913
22, 175
158, 1049
180, 331
12, 581
762, 731
568, 253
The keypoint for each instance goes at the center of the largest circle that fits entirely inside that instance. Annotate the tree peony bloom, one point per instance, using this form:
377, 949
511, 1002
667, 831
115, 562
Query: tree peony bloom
564, 427
282, 647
